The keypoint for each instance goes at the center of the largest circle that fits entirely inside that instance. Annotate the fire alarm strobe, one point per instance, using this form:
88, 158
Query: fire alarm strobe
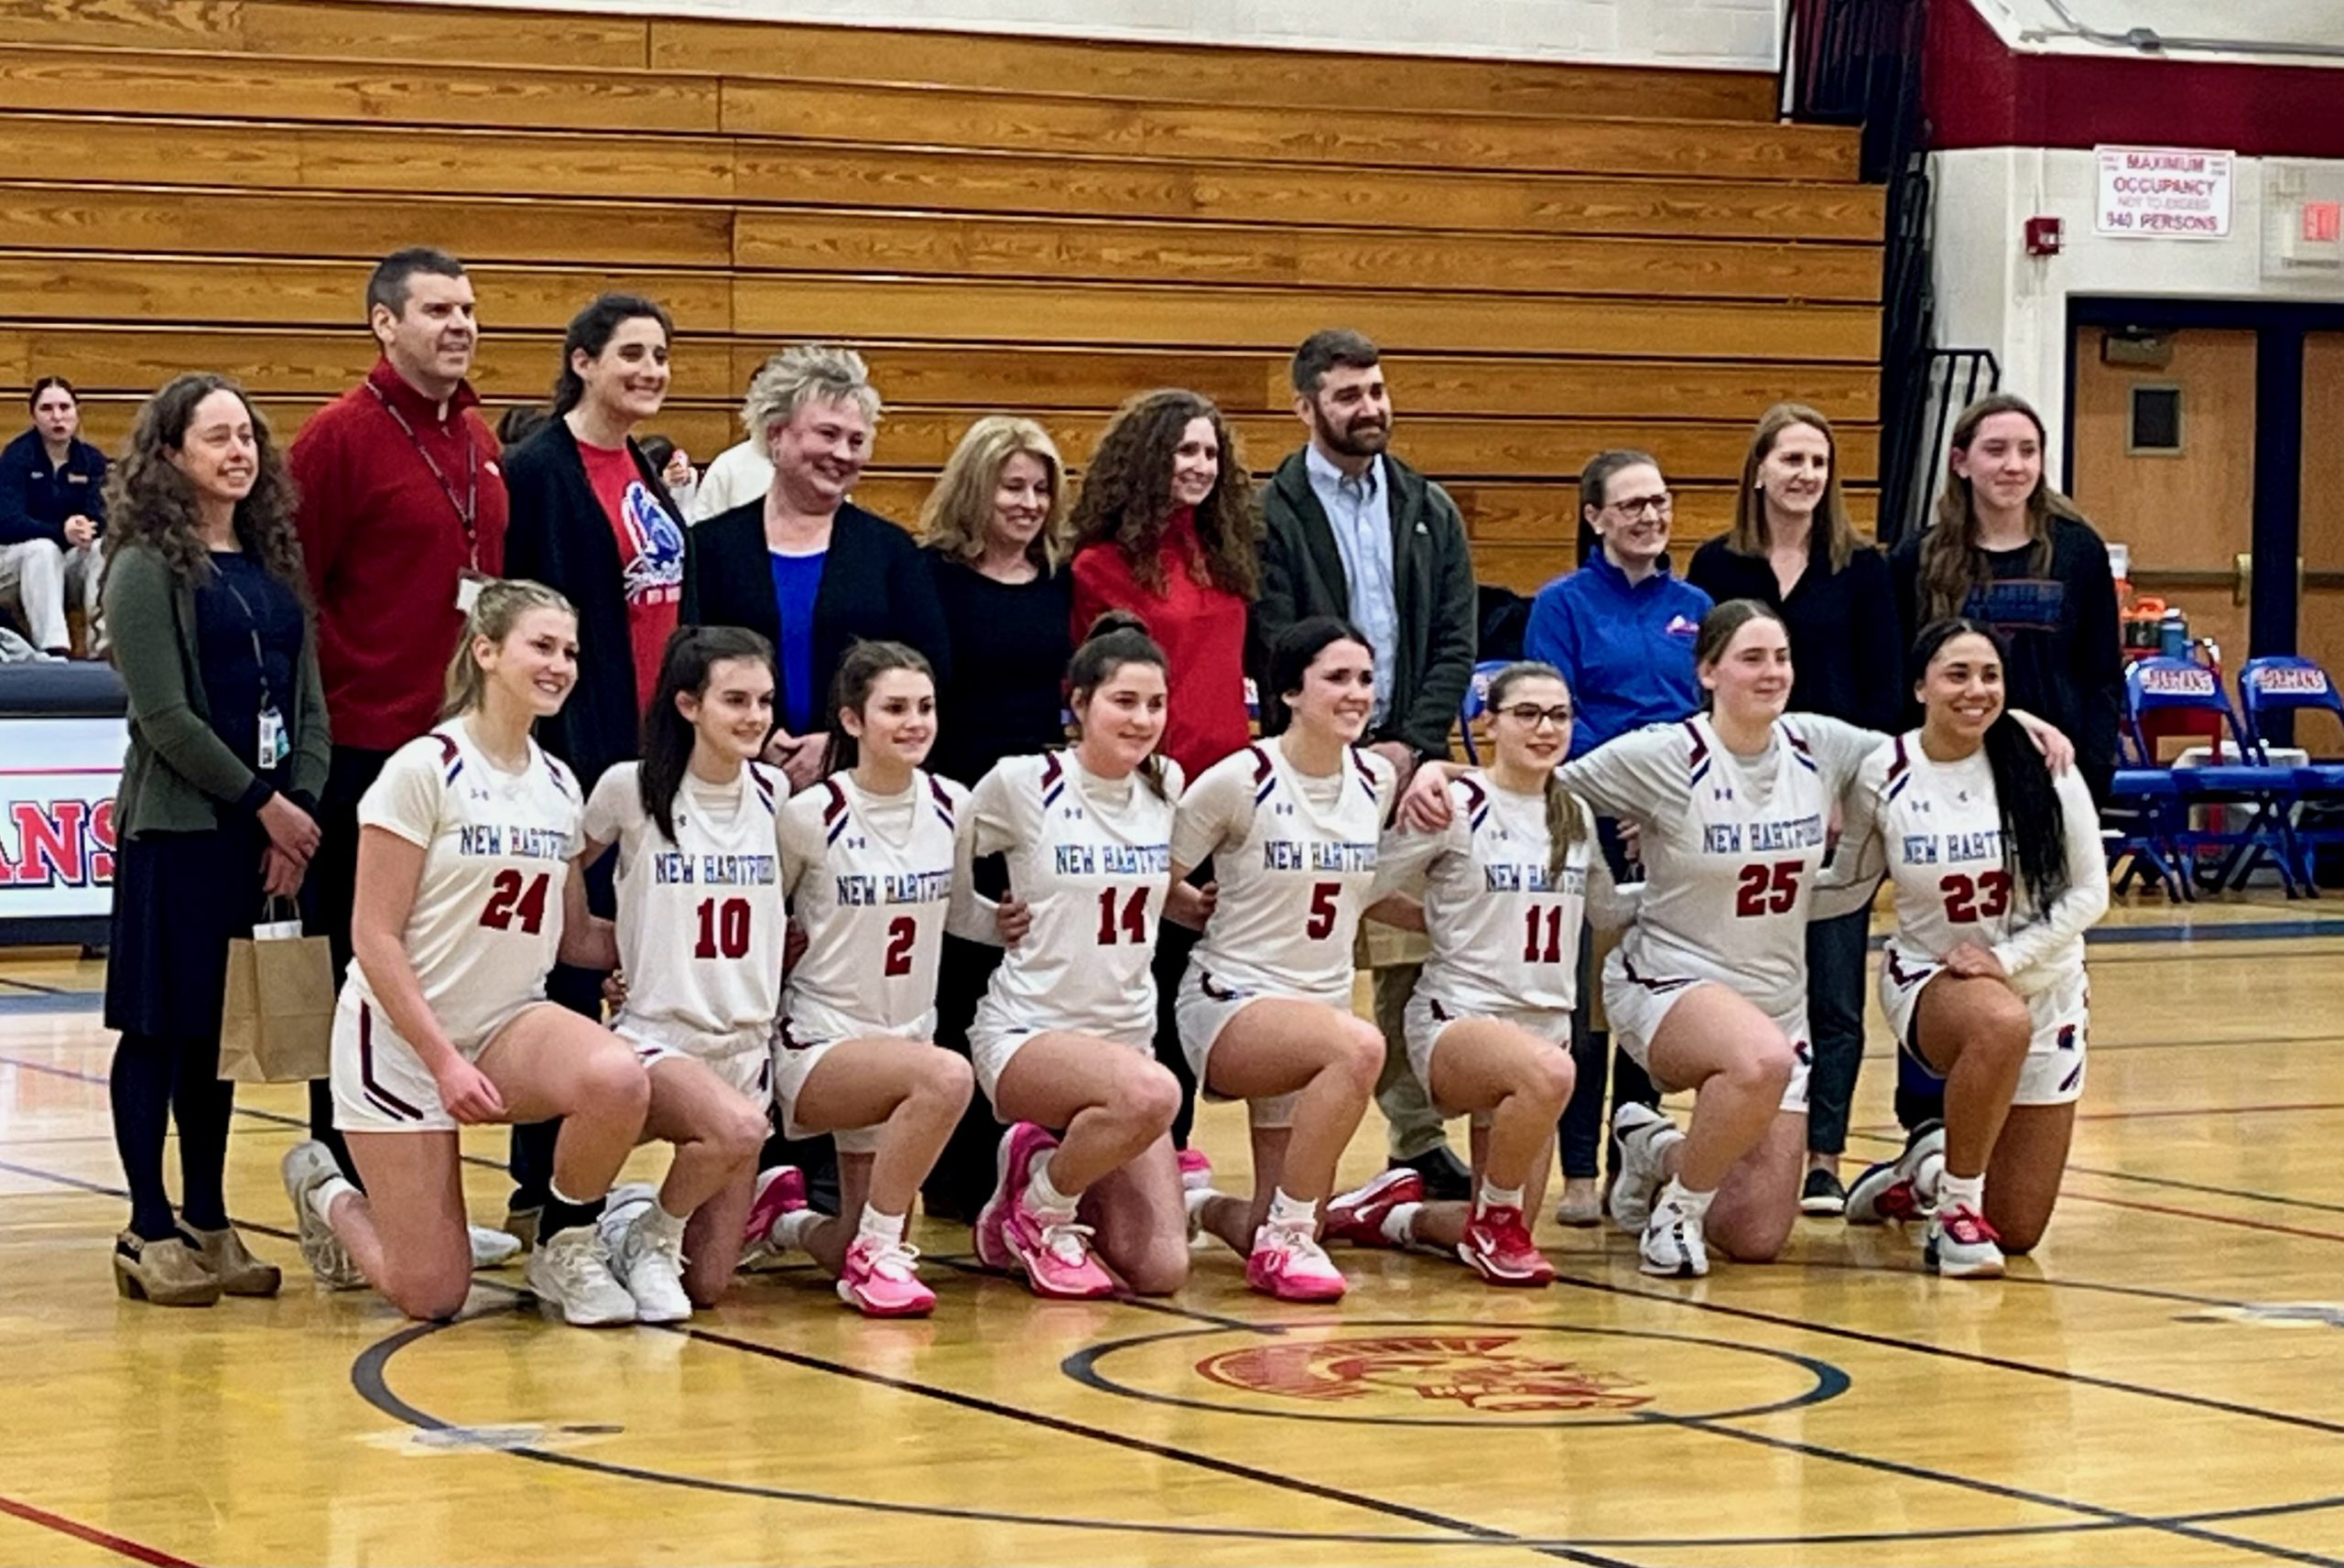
2045, 236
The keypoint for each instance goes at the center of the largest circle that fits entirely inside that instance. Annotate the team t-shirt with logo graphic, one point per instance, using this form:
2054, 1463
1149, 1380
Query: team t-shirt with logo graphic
651, 556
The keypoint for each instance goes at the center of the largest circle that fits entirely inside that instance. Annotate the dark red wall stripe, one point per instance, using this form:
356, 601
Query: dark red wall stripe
1982, 93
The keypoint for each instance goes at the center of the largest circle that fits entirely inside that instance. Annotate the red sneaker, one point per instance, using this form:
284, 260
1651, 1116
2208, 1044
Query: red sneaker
1357, 1217
1498, 1247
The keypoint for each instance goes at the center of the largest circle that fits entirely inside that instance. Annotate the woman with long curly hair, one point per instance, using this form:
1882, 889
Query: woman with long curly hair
1165, 529
228, 750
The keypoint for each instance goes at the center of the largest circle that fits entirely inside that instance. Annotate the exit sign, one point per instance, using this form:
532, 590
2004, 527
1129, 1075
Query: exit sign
2323, 223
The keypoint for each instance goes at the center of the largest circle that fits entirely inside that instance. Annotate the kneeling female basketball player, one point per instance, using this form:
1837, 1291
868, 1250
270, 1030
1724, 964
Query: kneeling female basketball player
1998, 871
872, 858
1264, 1010
467, 849
699, 939
1505, 887
1063, 1038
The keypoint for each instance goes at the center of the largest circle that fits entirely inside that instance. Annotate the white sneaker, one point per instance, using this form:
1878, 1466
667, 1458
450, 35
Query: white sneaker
493, 1249
1644, 1135
648, 1257
570, 1271
1903, 1188
308, 1165
1671, 1244
1962, 1245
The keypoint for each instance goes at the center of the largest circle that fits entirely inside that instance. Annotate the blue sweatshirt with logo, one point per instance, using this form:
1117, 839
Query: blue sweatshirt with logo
1625, 648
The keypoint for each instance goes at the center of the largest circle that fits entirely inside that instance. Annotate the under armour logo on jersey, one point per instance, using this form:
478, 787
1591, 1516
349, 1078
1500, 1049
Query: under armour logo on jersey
853, 841
1073, 813
1922, 806
1723, 792
1285, 809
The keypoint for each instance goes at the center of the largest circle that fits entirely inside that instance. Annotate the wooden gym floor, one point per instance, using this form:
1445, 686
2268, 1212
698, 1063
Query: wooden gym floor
2160, 1386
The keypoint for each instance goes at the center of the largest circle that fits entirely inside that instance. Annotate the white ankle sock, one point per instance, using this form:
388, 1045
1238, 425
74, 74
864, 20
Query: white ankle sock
1041, 1192
657, 1221
1497, 1197
789, 1230
1293, 1214
323, 1196
1965, 1191
1400, 1224
1695, 1206
878, 1227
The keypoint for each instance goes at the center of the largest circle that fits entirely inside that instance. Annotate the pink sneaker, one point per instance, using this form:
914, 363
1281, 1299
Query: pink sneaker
1357, 1217
1012, 1161
1196, 1171
1289, 1265
1498, 1247
779, 1190
881, 1279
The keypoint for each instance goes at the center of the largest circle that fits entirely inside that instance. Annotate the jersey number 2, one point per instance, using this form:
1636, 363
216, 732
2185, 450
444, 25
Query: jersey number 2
723, 928
1133, 920
1767, 889
510, 901
1968, 902
903, 935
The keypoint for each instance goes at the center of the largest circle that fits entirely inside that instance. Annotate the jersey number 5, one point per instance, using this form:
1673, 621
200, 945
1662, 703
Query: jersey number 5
1767, 889
1967, 902
903, 935
1133, 920
510, 901
1321, 923
723, 928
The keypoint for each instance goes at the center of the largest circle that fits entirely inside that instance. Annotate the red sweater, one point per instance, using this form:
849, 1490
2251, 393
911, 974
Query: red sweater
1201, 630
386, 549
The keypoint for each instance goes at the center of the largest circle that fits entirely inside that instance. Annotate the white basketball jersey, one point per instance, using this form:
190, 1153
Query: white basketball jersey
1294, 856
1937, 830
870, 879
701, 921
1093, 860
1504, 934
1731, 846
496, 850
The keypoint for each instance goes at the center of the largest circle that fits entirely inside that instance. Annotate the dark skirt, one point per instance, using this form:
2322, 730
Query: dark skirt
177, 899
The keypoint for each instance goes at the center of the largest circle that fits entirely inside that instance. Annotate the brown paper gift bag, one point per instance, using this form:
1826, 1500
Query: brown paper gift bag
277, 1017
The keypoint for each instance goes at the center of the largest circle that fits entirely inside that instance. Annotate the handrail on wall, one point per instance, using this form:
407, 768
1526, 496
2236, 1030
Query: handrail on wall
2148, 40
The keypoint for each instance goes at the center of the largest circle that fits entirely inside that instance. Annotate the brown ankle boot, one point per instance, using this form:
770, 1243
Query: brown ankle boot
224, 1253
169, 1273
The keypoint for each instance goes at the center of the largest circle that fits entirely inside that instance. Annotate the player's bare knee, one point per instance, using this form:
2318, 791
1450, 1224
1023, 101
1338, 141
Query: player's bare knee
1551, 1081
743, 1133
946, 1078
2002, 1024
427, 1295
612, 1082
1159, 1268
1764, 1065
1362, 1054
1152, 1101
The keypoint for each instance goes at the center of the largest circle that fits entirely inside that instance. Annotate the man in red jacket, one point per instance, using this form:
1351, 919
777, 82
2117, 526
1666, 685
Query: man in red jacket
402, 513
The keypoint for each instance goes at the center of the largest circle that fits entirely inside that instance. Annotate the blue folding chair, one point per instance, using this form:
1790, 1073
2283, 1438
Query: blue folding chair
2259, 797
2289, 683
1476, 703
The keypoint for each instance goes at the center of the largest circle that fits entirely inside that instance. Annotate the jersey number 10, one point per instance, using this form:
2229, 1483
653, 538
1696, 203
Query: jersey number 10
723, 928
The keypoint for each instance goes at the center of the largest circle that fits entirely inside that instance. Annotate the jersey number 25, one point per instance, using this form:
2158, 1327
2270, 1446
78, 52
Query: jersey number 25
1767, 889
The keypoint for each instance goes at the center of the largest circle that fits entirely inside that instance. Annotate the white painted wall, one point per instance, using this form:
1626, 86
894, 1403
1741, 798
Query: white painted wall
1991, 294
2033, 24
1739, 35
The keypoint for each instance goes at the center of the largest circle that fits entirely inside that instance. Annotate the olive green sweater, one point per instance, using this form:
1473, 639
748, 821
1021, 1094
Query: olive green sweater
179, 773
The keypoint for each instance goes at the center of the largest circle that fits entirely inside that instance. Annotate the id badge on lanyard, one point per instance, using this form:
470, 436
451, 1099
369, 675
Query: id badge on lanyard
272, 745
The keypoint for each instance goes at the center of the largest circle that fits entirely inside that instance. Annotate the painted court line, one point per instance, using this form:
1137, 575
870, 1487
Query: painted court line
120, 1546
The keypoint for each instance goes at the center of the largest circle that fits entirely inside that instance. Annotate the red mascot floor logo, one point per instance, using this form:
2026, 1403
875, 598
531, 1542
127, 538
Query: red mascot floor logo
1480, 1371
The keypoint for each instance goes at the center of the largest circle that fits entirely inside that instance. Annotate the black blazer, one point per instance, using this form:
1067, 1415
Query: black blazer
559, 535
876, 586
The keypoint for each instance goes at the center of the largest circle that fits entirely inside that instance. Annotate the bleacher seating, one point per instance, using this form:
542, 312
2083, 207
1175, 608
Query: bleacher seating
1555, 258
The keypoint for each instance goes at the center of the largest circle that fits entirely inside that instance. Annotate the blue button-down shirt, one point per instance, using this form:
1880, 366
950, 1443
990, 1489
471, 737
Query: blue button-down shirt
1360, 513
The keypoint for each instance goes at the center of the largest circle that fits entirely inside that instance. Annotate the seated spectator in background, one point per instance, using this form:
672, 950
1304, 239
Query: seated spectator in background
803, 565
52, 515
739, 473
673, 467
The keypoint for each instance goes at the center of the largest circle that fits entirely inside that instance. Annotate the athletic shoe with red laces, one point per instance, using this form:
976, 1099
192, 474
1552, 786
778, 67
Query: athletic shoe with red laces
1196, 1171
1962, 1246
1012, 1168
1290, 1265
881, 1279
1357, 1217
779, 1190
1498, 1247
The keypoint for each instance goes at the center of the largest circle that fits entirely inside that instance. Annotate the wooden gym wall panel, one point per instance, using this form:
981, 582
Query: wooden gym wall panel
1203, 74
265, 155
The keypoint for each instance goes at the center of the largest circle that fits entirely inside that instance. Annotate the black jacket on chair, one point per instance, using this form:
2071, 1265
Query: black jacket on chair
559, 535
876, 586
